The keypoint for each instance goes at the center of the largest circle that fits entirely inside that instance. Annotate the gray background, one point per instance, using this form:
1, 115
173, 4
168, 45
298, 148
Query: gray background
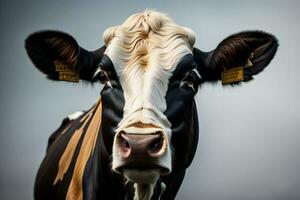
249, 135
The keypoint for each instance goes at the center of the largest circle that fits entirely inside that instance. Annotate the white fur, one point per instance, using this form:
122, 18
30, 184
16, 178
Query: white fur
145, 50
75, 115
143, 191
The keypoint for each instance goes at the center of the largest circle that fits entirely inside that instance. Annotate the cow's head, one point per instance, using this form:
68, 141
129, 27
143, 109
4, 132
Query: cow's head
151, 72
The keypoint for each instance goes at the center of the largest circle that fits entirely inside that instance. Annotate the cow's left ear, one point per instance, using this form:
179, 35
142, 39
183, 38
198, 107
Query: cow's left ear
237, 58
58, 55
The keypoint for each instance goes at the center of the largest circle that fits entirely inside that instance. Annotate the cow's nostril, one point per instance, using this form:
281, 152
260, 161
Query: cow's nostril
123, 146
156, 145
124, 143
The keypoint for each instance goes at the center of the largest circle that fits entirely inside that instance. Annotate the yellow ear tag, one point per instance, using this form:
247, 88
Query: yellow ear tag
66, 72
232, 75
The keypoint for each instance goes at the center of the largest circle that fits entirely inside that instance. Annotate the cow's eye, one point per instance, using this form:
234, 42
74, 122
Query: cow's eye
192, 76
101, 76
192, 79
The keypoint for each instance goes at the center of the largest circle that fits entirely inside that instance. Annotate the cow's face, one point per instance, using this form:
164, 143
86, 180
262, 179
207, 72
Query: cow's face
144, 54
151, 73
140, 135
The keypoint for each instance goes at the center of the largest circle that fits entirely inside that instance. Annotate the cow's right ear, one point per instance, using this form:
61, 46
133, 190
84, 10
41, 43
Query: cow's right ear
237, 58
58, 55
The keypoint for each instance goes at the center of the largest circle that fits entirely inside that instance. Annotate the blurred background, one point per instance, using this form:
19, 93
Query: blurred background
249, 135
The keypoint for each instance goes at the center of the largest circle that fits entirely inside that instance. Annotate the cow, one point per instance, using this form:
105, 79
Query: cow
138, 139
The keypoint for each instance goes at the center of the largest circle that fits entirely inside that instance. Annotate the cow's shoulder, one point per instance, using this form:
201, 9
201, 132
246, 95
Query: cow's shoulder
65, 124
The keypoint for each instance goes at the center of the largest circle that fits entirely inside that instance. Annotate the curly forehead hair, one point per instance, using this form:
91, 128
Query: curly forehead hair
150, 34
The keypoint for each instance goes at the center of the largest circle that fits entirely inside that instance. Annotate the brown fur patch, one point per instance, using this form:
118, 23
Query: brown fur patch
75, 190
91, 123
65, 160
142, 125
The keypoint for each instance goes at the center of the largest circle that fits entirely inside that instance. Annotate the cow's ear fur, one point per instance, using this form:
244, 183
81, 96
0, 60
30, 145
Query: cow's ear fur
252, 50
58, 55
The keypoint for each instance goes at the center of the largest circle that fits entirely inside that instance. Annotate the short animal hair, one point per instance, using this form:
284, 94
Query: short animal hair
150, 35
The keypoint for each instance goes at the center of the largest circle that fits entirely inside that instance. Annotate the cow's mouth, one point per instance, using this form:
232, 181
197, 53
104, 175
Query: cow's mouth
142, 176
142, 169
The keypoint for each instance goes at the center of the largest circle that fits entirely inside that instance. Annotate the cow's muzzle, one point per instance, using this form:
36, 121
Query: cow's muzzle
141, 152
144, 146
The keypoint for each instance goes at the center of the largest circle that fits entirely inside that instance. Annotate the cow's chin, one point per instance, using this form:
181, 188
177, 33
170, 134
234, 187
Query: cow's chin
149, 176
144, 182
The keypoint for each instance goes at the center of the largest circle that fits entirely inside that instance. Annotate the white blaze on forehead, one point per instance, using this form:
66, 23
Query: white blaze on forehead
145, 50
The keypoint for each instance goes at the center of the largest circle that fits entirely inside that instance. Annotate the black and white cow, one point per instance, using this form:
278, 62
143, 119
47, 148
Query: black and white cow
137, 141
